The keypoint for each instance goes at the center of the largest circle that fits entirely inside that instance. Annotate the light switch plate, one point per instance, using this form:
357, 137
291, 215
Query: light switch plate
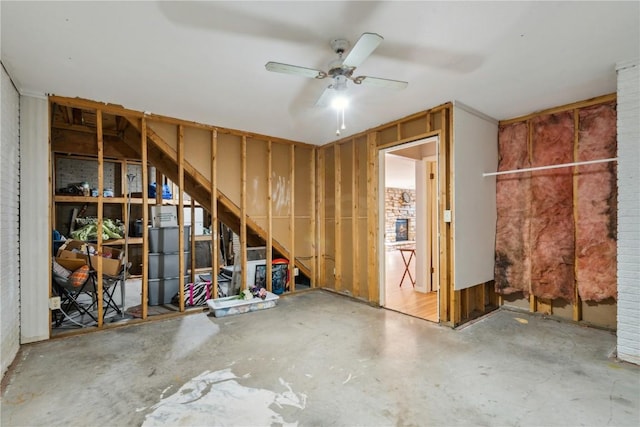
447, 216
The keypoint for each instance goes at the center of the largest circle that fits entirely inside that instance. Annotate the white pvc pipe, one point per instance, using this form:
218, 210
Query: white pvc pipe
586, 162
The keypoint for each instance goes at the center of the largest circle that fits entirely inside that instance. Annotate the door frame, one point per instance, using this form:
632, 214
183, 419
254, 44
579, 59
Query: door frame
381, 216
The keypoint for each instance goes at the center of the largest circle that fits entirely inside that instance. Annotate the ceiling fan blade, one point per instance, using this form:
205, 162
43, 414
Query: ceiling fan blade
278, 67
325, 97
366, 44
378, 82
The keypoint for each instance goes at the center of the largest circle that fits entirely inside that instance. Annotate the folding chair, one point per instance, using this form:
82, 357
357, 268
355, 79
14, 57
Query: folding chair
76, 300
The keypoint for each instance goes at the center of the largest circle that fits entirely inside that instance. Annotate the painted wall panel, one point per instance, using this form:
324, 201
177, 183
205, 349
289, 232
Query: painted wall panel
257, 185
35, 275
167, 131
9, 221
475, 150
197, 149
303, 184
281, 179
229, 166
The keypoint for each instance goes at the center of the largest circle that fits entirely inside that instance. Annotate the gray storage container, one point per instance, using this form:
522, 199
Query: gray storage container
162, 291
164, 265
165, 239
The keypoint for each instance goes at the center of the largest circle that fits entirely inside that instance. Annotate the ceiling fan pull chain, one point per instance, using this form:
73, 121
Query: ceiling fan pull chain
343, 126
337, 122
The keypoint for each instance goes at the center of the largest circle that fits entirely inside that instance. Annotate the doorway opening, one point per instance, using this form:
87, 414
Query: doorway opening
408, 229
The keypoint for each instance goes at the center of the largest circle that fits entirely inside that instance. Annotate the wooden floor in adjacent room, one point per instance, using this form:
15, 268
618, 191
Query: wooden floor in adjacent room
403, 298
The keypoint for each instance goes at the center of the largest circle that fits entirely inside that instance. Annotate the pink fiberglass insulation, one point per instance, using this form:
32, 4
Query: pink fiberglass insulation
552, 224
596, 204
513, 201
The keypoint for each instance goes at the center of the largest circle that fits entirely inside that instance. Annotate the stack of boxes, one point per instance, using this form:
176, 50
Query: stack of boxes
164, 255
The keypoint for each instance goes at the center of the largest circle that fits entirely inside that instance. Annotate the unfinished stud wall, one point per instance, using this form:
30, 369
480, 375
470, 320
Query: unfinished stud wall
628, 268
556, 235
348, 188
9, 221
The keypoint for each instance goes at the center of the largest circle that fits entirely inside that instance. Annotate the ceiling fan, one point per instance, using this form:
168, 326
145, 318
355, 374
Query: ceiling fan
341, 69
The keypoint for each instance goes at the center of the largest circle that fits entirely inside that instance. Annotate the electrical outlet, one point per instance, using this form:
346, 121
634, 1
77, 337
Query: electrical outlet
296, 271
54, 303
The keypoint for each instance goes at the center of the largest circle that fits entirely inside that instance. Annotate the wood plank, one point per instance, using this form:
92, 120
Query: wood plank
192, 240
562, 108
372, 219
338, 217
98, 267
269, 240
181, 266
314, 261
215, 225
243, 212
355, 223
292, 218
577, 301
410, 139
321, 248
145, 218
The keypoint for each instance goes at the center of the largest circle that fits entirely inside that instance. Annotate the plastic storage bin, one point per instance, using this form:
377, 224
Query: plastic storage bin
232, 305
165, 239
161, 291
164, 265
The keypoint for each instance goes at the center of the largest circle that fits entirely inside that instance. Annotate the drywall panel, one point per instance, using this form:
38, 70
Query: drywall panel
9, 222
197, 149
281, 179
257, 185
304, 241
346, 174
281, 232
475, 150
362, 177
329, 253
413, 127
303, 181
35, 273
167, 131
328, 198
229, 166
363, 247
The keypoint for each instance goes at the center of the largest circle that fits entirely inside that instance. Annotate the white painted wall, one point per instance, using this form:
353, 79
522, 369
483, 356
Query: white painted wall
400, 172
475, 150
35, 230
629, 211
9, 221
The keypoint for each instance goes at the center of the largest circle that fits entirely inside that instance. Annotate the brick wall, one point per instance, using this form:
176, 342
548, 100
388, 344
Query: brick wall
629, 211
397, 208
9, 222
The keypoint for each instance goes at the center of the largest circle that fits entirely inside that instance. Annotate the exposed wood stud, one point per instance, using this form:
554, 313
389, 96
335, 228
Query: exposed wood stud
355, 223
321, 250
313, 225
215, 226
338, 216
181, 263
243, 212
292, 218
145, 217
533, 303
372, 218
269, 240
192, 240
577, 302
98, 259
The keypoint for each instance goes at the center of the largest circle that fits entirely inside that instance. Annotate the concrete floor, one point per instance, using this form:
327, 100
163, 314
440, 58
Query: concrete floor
322, 359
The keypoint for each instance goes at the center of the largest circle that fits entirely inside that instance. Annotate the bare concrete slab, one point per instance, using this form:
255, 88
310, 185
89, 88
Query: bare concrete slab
323, 359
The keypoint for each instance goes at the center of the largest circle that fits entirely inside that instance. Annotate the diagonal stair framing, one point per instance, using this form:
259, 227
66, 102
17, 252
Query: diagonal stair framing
161, 155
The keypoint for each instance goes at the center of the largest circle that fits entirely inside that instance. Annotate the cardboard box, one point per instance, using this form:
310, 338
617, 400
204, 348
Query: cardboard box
76, 250
164, 216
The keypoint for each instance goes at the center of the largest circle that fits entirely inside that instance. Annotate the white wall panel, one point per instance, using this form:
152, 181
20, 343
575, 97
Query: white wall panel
9, 221
475, 150
35, 231
629, 211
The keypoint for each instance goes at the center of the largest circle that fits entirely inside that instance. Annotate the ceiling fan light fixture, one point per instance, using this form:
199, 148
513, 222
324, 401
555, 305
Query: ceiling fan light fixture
340, 102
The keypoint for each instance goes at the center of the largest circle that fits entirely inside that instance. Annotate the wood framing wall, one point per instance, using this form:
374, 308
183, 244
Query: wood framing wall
348, 214
264, 185
587, 238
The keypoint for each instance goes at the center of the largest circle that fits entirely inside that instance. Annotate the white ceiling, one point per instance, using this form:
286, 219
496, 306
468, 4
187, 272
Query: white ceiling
204, 61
